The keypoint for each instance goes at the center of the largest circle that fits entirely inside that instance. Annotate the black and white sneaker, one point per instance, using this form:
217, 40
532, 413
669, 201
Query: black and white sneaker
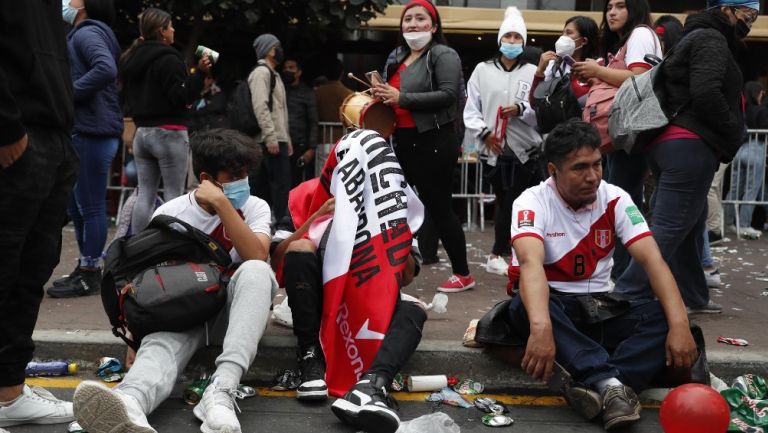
82, 283
367, 406
312, 369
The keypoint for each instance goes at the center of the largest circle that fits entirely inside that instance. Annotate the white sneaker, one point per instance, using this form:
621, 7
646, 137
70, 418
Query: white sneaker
101, 410
497, 265
217, 408
36, 406
713, 279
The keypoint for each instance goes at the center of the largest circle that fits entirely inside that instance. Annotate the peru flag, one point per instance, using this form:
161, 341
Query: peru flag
368, 244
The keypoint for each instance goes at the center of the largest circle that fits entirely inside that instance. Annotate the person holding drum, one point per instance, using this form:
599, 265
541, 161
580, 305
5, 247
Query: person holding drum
499, 118
423, 87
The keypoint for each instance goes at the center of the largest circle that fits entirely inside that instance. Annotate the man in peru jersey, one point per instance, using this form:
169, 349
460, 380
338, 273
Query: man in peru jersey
563, 233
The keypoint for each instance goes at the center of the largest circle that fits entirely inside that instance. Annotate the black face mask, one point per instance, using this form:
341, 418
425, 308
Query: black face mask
279, 55
288, 76
741, 29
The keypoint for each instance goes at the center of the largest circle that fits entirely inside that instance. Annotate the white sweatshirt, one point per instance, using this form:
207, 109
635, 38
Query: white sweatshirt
491, 87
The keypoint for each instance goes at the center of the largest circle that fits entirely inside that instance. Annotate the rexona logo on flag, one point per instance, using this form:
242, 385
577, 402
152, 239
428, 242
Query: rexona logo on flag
369, 241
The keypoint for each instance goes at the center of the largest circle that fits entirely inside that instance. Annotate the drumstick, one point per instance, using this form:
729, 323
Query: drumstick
352, 76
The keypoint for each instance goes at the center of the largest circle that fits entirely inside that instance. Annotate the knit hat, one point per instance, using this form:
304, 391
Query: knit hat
426, 4
263, 44
746, 3
513, 22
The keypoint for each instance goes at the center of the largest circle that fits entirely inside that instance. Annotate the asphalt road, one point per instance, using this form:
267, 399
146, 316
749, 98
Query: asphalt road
281, 413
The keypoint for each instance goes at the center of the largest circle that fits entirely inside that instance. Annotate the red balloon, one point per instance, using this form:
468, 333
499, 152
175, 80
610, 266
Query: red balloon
694, 408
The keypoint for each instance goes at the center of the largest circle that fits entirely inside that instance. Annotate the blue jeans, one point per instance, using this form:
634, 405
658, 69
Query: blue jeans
748, 168
88, 205
706, 255
679, 217
629, 347
627, 172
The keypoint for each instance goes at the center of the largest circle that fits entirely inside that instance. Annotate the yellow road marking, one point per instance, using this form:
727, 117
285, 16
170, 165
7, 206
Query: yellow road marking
514, 400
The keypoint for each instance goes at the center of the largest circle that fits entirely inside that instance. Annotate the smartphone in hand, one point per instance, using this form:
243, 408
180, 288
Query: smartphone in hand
374, 78
568, 60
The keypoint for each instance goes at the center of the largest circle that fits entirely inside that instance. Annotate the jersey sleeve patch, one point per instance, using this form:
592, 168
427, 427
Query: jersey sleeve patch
635, 217
525, 218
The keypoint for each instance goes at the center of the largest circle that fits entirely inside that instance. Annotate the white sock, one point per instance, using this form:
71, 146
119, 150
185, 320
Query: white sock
601, 385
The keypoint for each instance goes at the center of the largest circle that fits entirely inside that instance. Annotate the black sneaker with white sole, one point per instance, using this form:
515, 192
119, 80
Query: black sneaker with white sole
367, 406
312, 370
83, 283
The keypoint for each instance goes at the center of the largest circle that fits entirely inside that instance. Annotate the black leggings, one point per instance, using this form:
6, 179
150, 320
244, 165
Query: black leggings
429, 161
303, 283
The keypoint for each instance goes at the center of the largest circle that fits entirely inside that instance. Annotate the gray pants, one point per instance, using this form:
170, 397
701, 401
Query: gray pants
158, 152
163, 356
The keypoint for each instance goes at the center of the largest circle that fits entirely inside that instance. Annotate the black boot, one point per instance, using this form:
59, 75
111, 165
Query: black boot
312, 369
367, 406
85, 282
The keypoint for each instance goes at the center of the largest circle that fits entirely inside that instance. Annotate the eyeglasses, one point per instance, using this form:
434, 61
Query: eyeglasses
749, 15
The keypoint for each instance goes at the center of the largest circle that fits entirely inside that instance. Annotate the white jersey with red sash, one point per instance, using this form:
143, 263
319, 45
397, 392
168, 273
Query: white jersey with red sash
369, 241
255, 212
578, 244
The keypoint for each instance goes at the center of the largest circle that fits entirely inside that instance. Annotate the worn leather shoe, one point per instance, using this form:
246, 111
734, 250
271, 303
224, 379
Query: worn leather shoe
621, 407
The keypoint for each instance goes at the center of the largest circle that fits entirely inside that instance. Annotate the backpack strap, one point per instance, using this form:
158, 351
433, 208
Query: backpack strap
272, 83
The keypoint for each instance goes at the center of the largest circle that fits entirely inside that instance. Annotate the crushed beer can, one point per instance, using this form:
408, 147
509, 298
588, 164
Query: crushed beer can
489, 405
194, 391
496, 420
747, 401
288, 380
398, 382
733, 341
449, 397
469, 387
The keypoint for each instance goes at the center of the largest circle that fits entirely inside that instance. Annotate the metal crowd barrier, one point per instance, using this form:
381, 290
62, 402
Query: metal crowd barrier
747, 179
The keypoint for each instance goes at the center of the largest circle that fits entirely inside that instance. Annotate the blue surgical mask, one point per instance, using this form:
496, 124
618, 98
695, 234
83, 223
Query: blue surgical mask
68, 13
511, 51
237, 192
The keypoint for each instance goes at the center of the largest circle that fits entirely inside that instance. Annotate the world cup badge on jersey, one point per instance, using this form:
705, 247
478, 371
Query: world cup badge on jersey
603, 238
525, 218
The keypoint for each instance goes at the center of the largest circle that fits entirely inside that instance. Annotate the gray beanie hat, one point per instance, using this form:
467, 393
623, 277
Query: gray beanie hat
263, 44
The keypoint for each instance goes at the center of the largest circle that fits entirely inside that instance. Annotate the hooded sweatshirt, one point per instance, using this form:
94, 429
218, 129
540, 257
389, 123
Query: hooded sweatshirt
156, 87
35, 85
93, 54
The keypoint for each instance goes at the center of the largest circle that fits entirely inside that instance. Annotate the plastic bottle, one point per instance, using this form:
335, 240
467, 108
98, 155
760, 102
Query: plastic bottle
50, 368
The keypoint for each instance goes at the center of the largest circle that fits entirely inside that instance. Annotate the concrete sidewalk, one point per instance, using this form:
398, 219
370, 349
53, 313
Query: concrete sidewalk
78, 329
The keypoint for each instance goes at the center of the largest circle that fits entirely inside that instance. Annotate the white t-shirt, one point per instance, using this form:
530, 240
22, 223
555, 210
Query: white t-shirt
642, 41
578, 245
255, 213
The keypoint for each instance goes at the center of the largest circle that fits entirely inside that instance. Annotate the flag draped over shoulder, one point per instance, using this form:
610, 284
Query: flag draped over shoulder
368, 245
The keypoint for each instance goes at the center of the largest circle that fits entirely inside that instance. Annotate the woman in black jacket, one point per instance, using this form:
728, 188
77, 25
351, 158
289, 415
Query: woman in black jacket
702, 82
157, 90
424, 87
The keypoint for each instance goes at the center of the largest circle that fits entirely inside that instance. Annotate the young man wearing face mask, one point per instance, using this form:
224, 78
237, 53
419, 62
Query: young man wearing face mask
499, 118
302, 121
703, 81
274, 178
223, 208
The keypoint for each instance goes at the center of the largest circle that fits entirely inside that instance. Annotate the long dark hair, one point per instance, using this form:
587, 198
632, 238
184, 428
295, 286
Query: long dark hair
672, 31
587, 28
151, 22
752, 91
639, 13
100, 10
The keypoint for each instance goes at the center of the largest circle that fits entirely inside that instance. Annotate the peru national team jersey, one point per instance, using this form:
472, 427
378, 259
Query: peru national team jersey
578, 245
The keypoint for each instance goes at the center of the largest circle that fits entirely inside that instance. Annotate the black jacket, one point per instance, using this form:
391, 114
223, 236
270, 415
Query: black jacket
431, 86
702, 77
156, 87
35, 85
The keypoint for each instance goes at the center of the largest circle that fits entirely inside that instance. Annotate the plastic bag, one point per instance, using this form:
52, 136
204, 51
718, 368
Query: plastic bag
437, 422
281, 314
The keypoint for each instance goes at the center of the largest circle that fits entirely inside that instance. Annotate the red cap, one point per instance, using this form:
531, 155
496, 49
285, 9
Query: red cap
660, 30
426, 4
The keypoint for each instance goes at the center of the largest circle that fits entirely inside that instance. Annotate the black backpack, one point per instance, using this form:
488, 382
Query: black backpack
554, 103
168, 277
240, 106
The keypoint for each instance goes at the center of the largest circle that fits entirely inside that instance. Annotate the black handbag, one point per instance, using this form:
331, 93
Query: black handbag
554, 103
494, 328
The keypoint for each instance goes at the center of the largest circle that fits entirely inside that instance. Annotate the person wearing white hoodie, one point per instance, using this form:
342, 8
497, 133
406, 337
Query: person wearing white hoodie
499, 119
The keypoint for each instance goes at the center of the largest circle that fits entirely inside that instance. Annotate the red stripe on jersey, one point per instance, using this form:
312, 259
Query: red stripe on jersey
580, 263
637, 238
220, 234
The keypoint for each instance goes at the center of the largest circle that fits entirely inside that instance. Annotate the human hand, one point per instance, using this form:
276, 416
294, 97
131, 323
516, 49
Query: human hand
209, 194
492, 143
388, 94
12, 152
544, 62
273, 148
204, 64
539, 358
586, 70
328, 207
680, 347
511, 111
130, 357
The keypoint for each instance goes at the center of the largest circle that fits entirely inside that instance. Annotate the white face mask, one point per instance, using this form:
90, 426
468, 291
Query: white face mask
417, 40
565, 46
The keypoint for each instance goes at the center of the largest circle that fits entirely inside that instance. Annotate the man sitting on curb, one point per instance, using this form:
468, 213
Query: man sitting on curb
563, 234
223, 208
